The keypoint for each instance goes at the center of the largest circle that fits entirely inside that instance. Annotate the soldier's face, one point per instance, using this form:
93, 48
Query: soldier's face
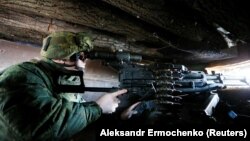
80, 64
76, 63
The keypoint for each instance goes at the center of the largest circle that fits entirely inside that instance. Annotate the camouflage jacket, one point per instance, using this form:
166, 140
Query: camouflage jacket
32, 109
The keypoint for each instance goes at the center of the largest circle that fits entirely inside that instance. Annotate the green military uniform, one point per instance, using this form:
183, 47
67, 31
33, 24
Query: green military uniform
31, 107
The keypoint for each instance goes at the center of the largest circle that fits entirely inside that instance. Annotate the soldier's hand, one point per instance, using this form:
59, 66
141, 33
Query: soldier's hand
109, 102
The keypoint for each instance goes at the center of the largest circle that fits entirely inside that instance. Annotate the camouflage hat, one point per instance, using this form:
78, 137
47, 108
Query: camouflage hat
63, 44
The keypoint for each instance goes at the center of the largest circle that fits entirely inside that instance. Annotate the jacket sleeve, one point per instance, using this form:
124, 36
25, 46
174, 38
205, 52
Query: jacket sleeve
32, 108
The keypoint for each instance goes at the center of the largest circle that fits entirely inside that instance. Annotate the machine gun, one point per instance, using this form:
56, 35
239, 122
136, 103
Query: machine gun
163, 76
171, 85
165, 83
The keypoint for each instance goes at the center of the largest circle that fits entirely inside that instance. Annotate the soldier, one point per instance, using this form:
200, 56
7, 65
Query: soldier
31, 105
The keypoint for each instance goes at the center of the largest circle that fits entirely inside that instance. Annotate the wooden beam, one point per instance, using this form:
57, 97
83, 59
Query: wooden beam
29, 28
88, 13
101, 16
170, 17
